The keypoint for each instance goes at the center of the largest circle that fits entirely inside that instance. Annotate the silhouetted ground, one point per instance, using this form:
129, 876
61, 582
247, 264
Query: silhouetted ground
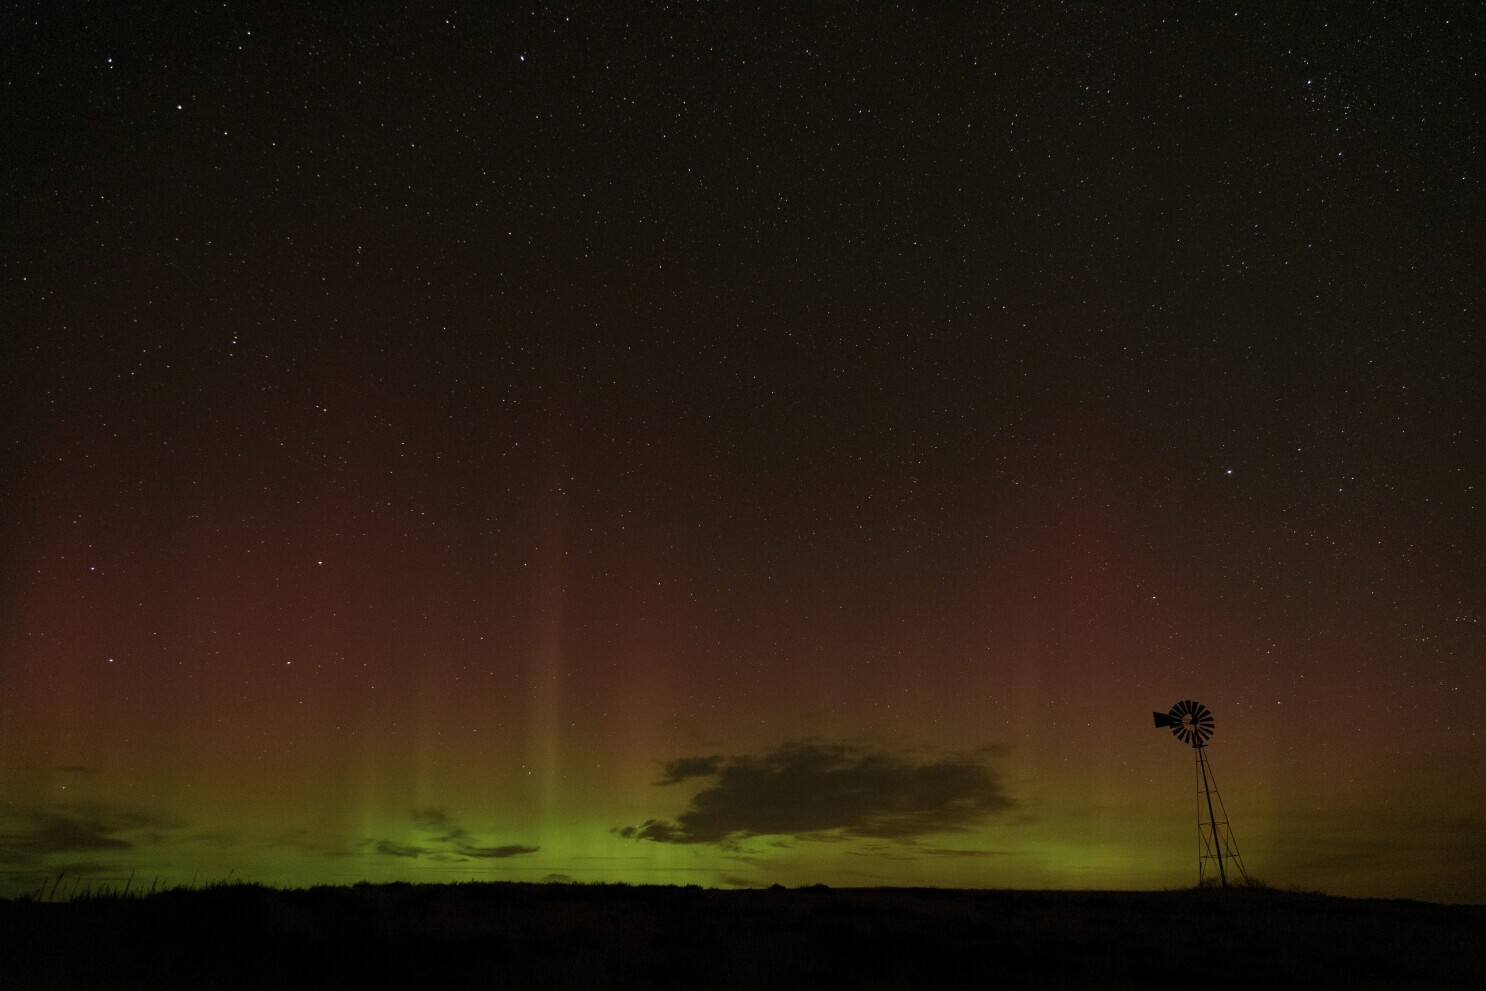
532, 936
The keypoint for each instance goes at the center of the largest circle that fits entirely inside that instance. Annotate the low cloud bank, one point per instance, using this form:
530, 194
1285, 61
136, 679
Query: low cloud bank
29, 833
821, 791
444, 840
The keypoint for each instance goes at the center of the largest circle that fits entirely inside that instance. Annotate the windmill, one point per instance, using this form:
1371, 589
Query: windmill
1192, 723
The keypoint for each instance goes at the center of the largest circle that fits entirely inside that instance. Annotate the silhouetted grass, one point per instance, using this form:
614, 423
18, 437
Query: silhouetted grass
616, 936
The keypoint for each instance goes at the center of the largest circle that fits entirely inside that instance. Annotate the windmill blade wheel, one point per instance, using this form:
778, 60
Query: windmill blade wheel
1191, 722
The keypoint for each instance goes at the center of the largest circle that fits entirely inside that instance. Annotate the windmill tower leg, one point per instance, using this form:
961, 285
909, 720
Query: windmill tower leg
1212, 819
1214, 833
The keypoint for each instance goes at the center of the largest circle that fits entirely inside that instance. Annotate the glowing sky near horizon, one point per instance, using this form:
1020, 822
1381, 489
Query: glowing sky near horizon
710, 448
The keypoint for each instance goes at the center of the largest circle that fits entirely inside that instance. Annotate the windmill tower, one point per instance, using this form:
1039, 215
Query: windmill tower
1192, 723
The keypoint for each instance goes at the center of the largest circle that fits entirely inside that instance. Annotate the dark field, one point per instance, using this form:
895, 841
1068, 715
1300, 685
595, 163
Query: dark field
615, 936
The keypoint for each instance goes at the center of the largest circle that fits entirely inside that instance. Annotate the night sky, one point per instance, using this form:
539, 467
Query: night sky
696, 444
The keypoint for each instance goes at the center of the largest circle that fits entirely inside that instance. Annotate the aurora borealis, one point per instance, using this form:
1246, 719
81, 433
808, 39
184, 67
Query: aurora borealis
696, 445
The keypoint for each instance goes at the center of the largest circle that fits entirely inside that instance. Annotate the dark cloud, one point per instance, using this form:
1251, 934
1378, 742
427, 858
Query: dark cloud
445, 841
497, 852
690, 767
437, 822
83, 868
302, 841
222, 839
819, 791
28, 833
652, 829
